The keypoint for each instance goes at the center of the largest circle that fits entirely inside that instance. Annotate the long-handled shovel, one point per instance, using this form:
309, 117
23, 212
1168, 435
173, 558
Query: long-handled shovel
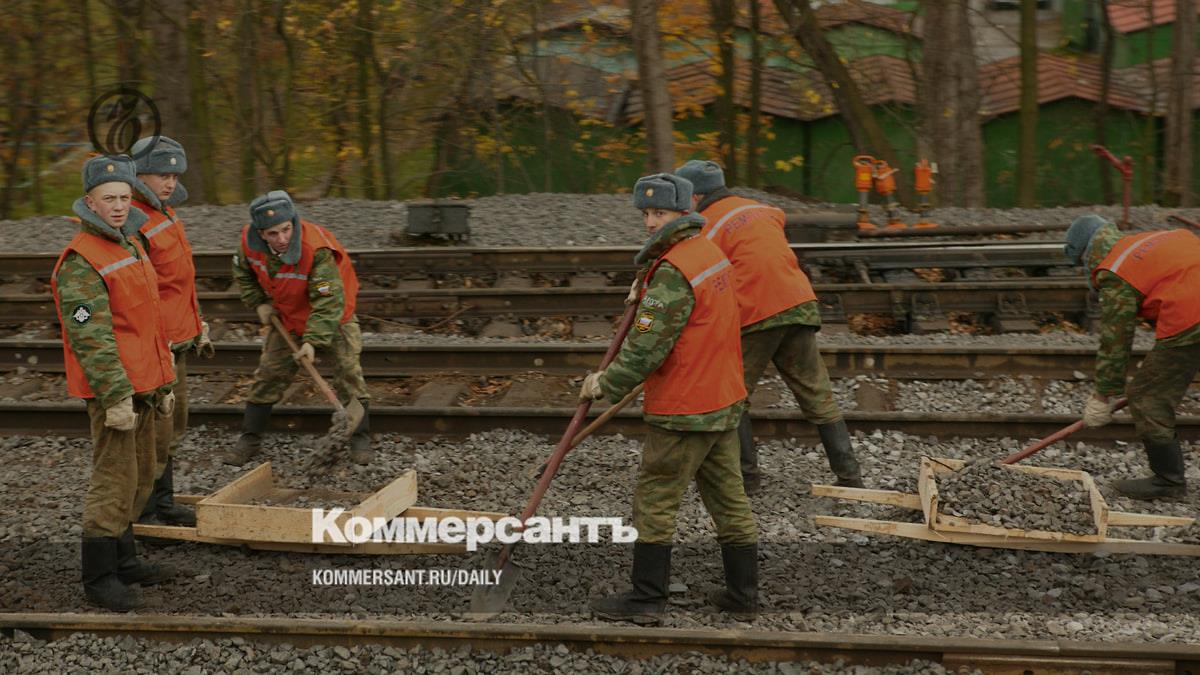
1055, 437
490, 600
345, 418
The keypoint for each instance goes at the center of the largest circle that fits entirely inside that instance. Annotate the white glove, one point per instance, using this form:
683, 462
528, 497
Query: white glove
204, 344
306, 351
632, 298
1097, 413
265, 311
166, 404
590, 390
120, 415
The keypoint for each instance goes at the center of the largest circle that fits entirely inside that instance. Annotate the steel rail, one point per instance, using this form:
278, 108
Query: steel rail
897, 299
987, 654
403, 360
70, 419
482, 260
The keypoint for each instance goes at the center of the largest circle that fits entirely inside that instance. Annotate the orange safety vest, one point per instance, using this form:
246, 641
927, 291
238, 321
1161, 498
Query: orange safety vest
289, 287
136, 314
171, 254
766, 272
703, 372
1164, 266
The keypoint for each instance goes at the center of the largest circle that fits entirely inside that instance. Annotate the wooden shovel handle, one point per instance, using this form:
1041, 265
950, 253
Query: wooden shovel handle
1055, 437
308, 365
606, 416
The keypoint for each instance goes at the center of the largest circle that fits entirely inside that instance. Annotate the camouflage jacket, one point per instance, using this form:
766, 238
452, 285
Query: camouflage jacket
327, 307
93, 342
669, 299
1119, 304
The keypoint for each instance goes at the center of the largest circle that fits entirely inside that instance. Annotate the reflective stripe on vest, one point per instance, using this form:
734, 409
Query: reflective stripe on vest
1164, 267
291, 298
767, 274
171, 254
703, 372
135, 310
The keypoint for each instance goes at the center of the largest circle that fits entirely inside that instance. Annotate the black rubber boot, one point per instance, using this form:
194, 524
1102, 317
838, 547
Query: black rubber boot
751, 475
101, 585
360, 441
740, 595
162, 507
131, 570
646, 602
836, 439
1166, 461
249, 444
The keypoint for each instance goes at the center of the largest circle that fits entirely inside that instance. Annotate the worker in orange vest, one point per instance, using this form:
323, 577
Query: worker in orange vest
780, 316
117, 359
296, 269
160, 161
684, 345
1152, 276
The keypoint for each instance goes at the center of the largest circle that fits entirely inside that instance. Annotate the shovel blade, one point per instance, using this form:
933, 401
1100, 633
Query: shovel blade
488, 601
343, 426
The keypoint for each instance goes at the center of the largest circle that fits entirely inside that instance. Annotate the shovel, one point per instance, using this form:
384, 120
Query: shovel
488, 601
1055, 437
345, 418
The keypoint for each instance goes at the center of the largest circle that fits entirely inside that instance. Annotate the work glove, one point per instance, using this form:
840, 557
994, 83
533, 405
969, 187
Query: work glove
265, 311
166, 404
1097, 412
306, 351
632, 298
590, 390
204, 344
120, 415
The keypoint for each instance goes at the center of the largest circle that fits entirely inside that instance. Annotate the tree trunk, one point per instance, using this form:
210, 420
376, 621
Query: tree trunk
169, 68
723, 14
970, 130
127, 14
754, 131
37, 52
202, 154
1102, 108
246, 96
652, 82
89, 54
1177, 188
1027, 120
865, 132
363, 53
287, 113
17, 124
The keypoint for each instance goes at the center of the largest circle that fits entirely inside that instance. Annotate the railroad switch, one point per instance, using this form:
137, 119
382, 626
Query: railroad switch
864, 170
923, 174
885, 184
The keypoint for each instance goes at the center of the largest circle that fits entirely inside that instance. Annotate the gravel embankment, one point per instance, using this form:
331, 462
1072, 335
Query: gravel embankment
812, 578
523, 220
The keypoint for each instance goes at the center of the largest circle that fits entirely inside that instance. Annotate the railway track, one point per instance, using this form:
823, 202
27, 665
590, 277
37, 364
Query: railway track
987, 655
70, 419
439, 261
572, 359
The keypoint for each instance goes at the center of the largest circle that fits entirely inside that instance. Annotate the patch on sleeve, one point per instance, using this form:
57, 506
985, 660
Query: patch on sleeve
324, 288
81, 314
645, 322
235, 260
653, 302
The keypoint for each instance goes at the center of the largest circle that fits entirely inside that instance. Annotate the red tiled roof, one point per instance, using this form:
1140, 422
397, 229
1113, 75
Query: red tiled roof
1058, 78
838, 14
1134, 15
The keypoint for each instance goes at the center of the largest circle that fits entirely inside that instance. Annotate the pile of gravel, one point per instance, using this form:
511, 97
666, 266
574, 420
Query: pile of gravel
81, 653
993, 494
539, 219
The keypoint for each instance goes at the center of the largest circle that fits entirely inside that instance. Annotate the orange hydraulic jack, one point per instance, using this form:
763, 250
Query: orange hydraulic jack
885, 184
923, 173
863, 173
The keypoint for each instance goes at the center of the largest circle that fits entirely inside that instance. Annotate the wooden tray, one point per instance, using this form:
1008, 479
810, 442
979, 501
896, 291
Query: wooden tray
931, 467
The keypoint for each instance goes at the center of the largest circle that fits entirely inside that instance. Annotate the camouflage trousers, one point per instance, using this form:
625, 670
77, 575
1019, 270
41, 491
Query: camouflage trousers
1157, 388
123, 465
793, 350
670, 460
169, 429
277, 368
